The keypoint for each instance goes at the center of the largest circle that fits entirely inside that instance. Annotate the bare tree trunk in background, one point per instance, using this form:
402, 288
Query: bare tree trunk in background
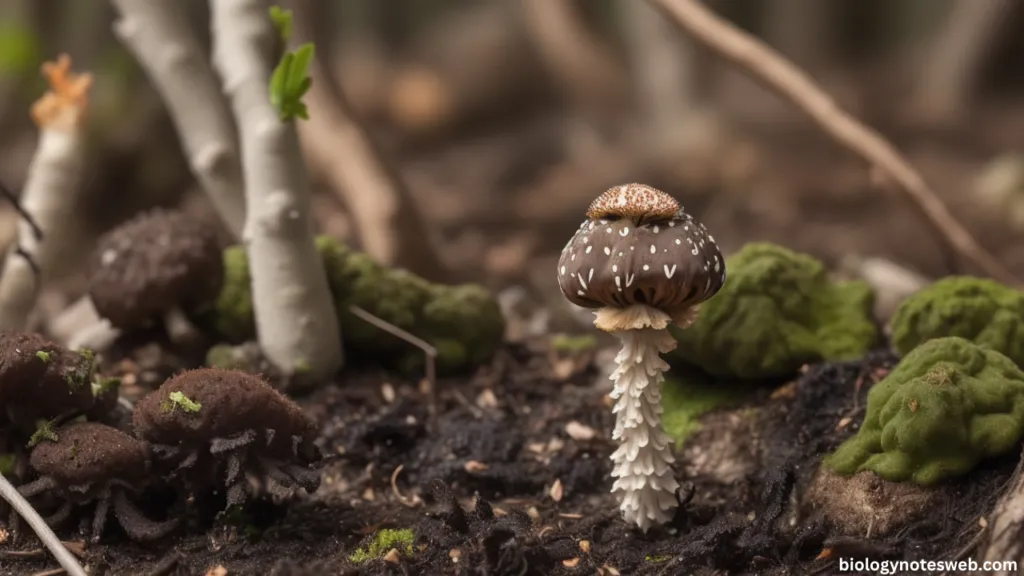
801, 30
580, 66
675, 116
338, 146
949, 67
361, 62
472, 64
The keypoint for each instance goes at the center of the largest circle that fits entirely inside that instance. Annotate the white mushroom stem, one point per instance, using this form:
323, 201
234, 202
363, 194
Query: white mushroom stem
159, 36
645, 482
79, 326
296, 322
54, 176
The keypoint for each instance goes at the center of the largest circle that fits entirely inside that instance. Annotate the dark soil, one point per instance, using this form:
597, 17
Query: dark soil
471, 467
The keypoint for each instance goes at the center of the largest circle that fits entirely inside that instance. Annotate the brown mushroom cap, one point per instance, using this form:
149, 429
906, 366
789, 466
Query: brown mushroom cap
157, 261
230, 403
638, 246
40, 379
87, 452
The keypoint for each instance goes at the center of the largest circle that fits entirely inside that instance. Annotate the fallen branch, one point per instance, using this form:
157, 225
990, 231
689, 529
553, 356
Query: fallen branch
296, 322
158, 33
1006, 537
54, 177
770, 68
64, 556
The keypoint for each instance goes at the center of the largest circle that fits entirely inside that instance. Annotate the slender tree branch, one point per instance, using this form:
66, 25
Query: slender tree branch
429, 351
295, 318
64, 556
159, 35
54, 177
770, 68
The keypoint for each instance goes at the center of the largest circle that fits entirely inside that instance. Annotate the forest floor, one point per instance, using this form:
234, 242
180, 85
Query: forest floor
507, 473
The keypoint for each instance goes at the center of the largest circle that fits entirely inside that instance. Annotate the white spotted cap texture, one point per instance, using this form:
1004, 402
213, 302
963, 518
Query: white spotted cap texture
638, 246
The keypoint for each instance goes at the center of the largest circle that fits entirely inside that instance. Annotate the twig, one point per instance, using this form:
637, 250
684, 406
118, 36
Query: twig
769, 67
29, 220
159, 36
64, 556
410, 502
54, 572
428, 350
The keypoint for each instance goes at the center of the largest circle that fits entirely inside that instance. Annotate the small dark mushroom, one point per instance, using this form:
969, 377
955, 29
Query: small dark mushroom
42, 380
219, 426
162, 264
94, 463
642, 263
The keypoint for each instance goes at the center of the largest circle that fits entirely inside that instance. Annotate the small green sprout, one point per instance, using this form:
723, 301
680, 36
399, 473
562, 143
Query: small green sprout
282, 20
178, 399
44, 356
383, 541
104, 385
44, 431
290, 80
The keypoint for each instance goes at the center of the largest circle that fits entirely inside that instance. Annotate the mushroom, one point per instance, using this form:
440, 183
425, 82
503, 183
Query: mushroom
641, 263
159, 265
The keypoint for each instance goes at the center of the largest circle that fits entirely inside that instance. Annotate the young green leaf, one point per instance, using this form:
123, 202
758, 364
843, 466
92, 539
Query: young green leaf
282, 20
291, 81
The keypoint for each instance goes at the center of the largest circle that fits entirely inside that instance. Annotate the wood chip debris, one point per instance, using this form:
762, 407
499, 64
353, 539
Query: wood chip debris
393, 556
580, 432
585, 546
534, 514
387, 391
606, 570
556, 491
217, 570
843, 422
455, 554
487, 400
474, 467
571, 562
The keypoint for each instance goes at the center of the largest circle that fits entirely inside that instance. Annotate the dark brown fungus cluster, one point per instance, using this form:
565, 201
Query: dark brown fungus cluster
638, 246
86, 463
159, 263
218, 428
42, 380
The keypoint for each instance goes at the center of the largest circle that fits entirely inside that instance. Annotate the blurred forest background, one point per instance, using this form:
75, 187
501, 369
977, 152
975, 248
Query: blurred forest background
503, 119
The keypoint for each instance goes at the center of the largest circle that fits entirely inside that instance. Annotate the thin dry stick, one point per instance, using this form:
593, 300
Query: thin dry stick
428, 350
64, 556
770, 68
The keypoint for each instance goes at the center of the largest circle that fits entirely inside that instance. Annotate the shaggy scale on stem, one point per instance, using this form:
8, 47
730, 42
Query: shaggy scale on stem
642, 263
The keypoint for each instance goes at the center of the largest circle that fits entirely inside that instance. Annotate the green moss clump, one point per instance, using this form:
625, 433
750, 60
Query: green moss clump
983, 311
464, 322
777, 311
468, 313
948, 405
382, 542
233, 317
8, 463
688, 395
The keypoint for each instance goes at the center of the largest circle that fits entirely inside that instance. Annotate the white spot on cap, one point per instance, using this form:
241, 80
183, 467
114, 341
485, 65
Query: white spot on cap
624, 231
678, 241
656, 229
646, 267
607, 251
590, 276
615, 268
589, 248
563, 270
669, 271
